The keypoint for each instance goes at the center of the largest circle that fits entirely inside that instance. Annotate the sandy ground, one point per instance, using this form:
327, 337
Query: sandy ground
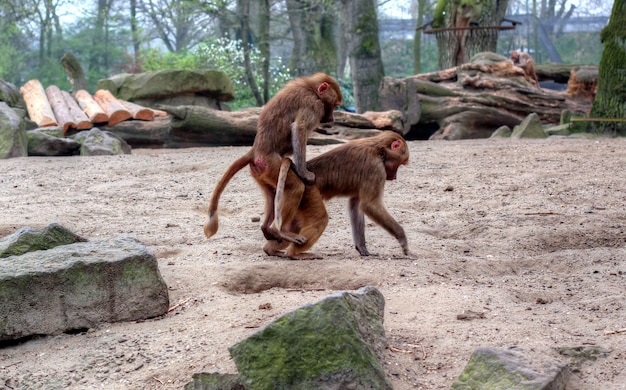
528, 234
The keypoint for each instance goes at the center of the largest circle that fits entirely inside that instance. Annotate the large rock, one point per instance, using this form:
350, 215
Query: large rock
13, 141
215, 381
530, 127
11, 95
44, 142
96, 142
332, 344
28, 239
172, 87
493, 368
79, 286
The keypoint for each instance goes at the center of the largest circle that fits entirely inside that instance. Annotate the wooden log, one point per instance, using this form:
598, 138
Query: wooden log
78, 116
114, 109
137, 111
39, 109
61, 112
90, 107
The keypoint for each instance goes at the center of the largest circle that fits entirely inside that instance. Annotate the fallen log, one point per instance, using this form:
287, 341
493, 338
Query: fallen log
90, 107
113, 108
61, 112
192, 125
138, 112
78, 116
474, 99
37, 105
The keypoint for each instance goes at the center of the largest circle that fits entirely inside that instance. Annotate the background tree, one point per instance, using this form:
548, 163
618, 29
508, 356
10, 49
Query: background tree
363, 47
180, 25
243, 7
313, 31
464, 31
610, 101
14, 42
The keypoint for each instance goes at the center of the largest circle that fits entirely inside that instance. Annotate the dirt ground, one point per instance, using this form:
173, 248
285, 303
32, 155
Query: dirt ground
528, 235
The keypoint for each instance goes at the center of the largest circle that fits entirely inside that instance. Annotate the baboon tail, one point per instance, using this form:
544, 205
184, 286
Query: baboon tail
212, 223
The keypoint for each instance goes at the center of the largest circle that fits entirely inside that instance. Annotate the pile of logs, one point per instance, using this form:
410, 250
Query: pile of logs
53, 107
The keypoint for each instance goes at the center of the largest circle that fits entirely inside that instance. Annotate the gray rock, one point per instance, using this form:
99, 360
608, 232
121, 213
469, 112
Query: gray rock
332, 344
79, 286
13, 141
168, 83
493, 368
42, 142
559, 130
10, 94
28, 239
215, 381
96, 142
530, 127
502, 132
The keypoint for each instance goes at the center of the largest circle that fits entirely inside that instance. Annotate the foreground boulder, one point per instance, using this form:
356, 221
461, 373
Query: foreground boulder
96, 142
28, 239
332, 344
493, 368
78, 286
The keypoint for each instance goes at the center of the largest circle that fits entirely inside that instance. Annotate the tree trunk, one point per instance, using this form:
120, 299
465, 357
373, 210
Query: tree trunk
135, 36
313, 29
610, 101
366, 65
264, 46
243, 6
74, 72
417, 39
465, 28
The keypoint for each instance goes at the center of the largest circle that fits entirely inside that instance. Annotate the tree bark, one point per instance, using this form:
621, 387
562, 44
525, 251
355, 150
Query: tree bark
39, 109
366, 65
610, 101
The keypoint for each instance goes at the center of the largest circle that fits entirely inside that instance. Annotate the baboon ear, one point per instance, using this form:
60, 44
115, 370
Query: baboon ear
395, 145
323, 87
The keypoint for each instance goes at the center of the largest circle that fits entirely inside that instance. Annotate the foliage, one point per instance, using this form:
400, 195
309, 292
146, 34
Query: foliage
398, 57
224, 55
11, 60
579, 48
